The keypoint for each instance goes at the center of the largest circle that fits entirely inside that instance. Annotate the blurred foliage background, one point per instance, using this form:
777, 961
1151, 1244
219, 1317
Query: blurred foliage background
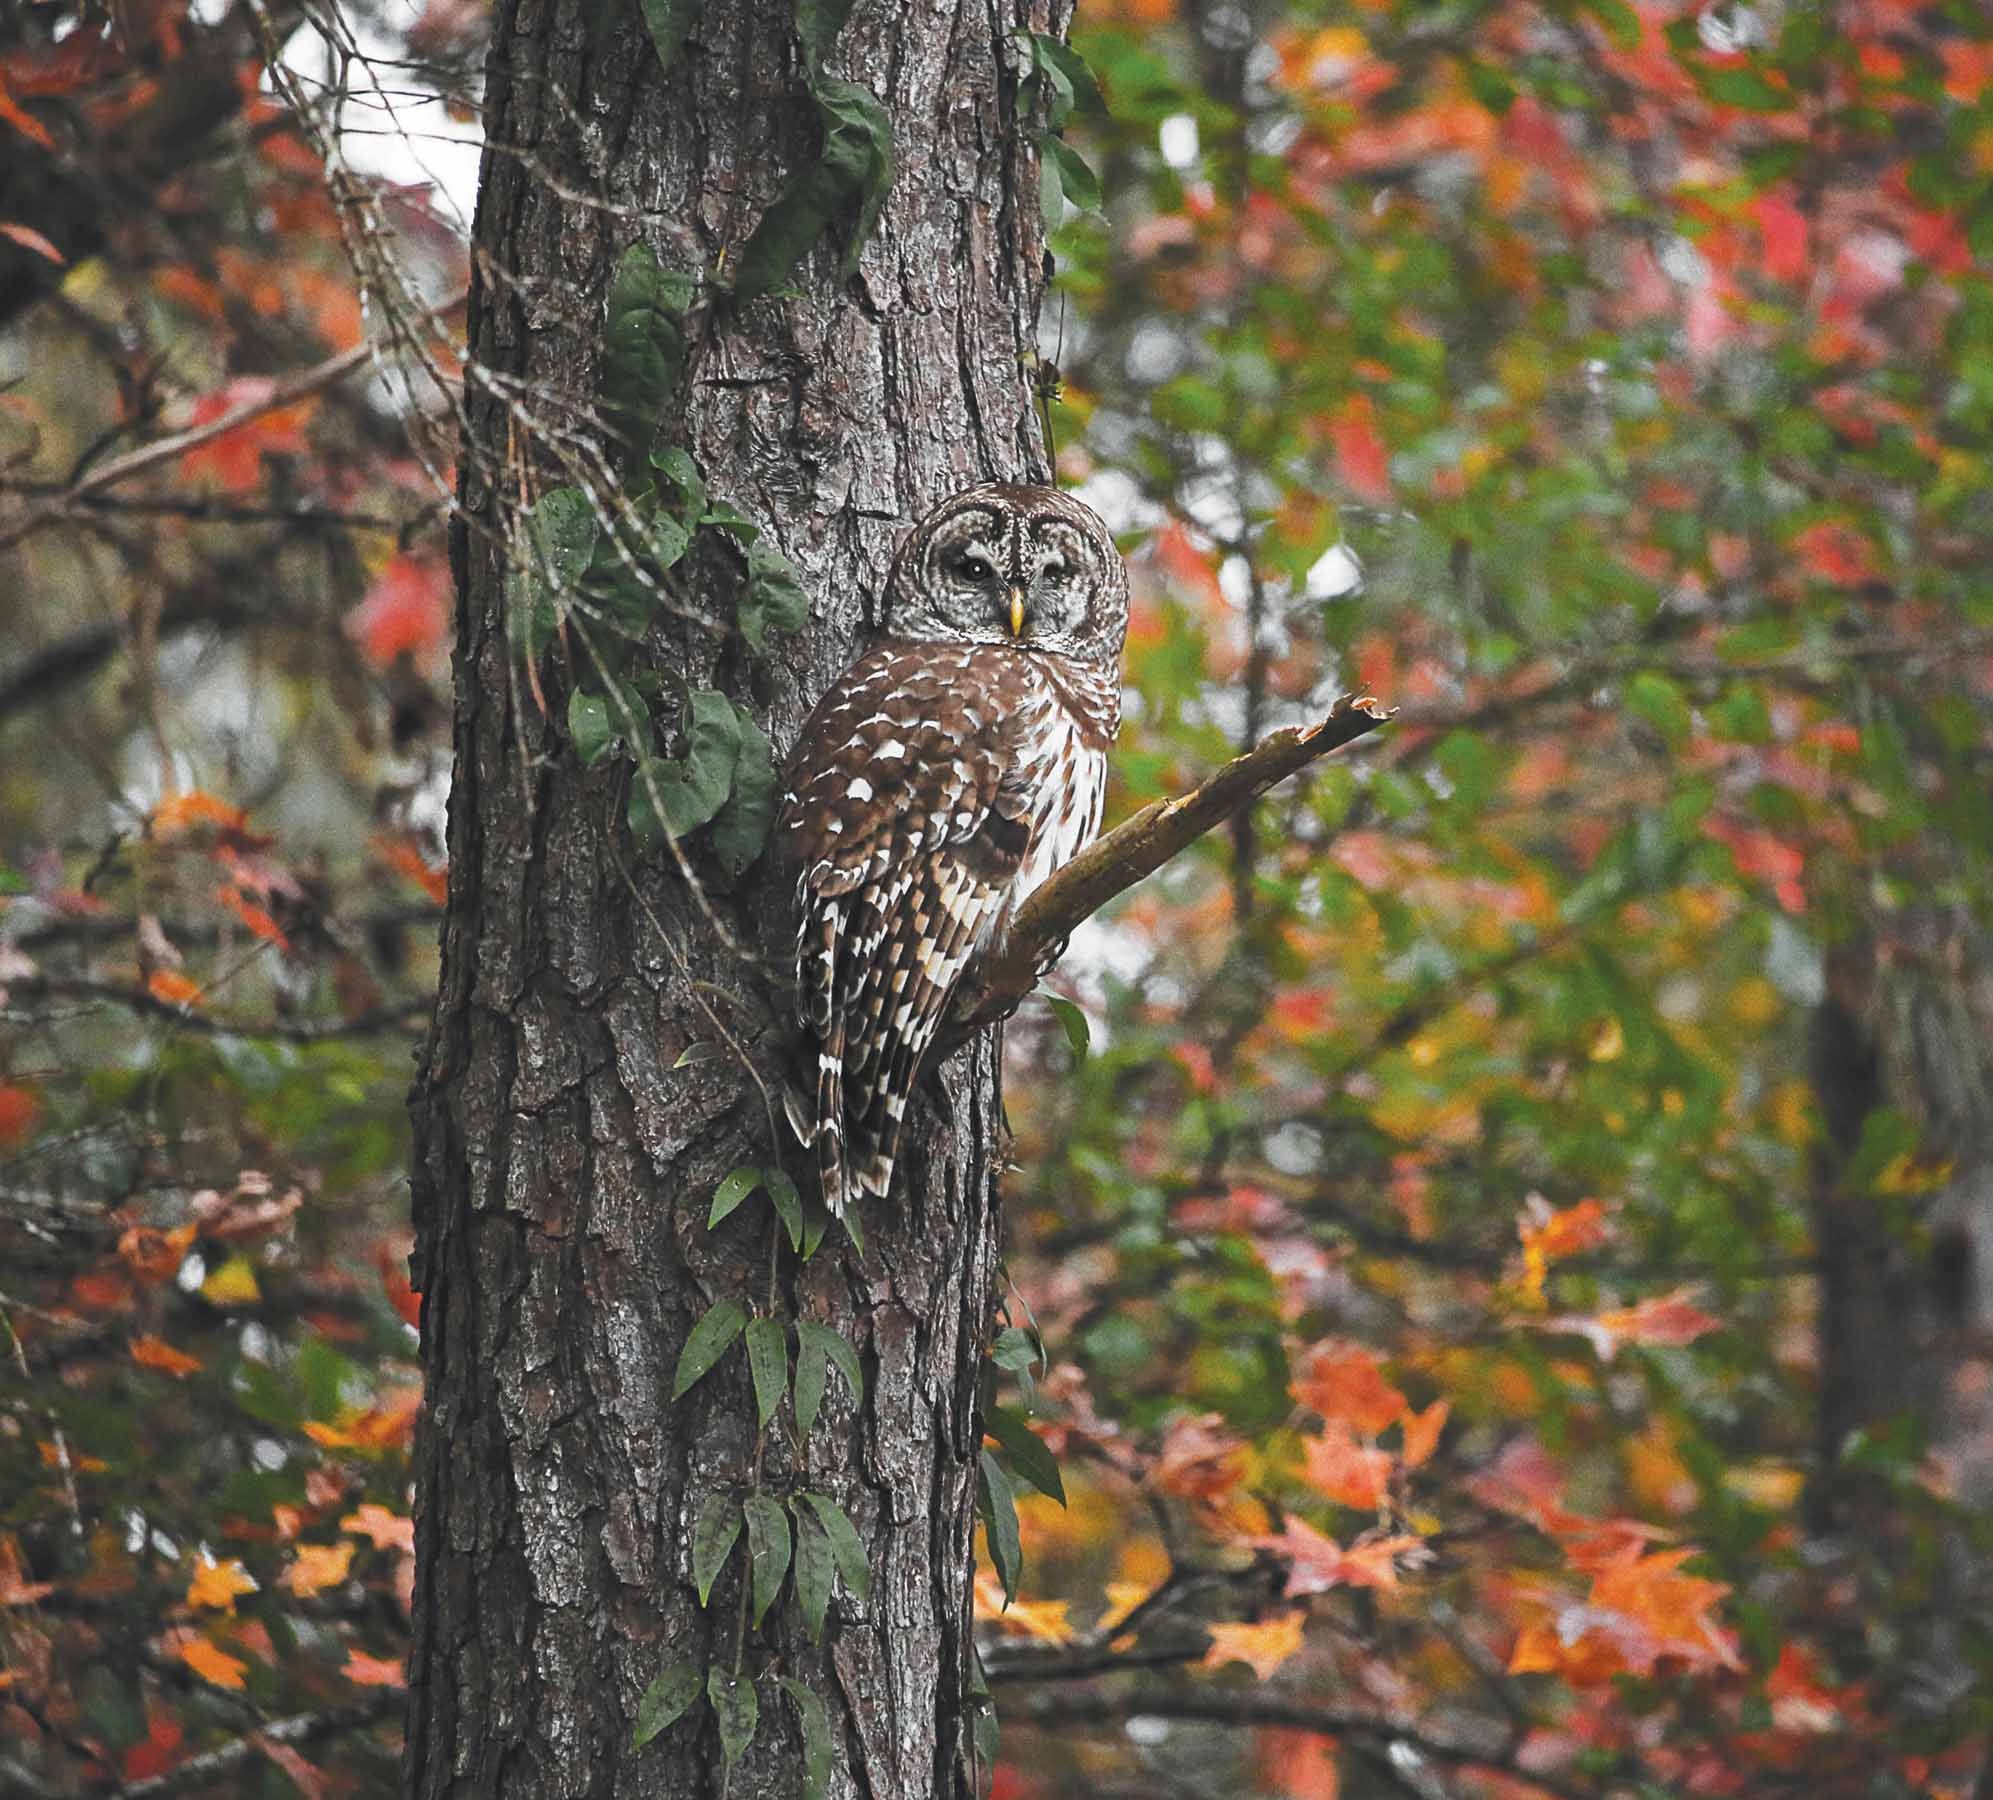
1505, 1240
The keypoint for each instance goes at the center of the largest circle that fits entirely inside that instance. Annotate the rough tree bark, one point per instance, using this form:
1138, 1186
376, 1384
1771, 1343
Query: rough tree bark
566, 1149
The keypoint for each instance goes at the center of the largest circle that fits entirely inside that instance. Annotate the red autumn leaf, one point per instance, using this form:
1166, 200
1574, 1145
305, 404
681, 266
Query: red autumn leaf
1362, 463
181, 812
234, 460
15, 1588
173, 988
1835, 551
152, 1254
19, 1107
1783, 227
405, 611
385, 1530
303, 1776
157, 1752
1200, 1460
1317, 1563
1422, 1431
23, 122
1664, 1319
400, 854
363, 1670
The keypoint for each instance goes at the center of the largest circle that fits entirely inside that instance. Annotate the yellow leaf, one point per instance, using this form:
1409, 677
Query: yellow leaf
1044, 1620
1608, 1040
318, 1567
233, 1284
217, 1584
1122, 1599
1264, 1646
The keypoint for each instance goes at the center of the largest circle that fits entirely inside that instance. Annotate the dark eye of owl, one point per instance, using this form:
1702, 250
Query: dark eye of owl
970, 566
1055, 569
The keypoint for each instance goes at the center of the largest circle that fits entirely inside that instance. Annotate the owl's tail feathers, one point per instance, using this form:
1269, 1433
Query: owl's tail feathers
820, 1122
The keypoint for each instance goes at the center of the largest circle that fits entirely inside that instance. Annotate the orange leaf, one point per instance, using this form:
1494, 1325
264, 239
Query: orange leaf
154, 1255
1362, 463
258, 921
181, 812
386, 1426
403, 856
234, 460
385, 1530
1300, 1765
1042, 1620
1317, 1563
173, 988
363, 1670
218, 1584
1343, 1381
1264, 1647
318, 1567
1200, 1460
1663, 1319
1345, 1471
1422, 1431
23, 122
14, 1589
212, 1664
157, 1353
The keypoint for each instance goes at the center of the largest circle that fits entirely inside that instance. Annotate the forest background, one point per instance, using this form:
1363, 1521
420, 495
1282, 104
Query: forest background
1499, 1236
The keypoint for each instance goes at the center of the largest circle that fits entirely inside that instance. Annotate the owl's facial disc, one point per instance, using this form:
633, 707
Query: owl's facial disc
1057, 561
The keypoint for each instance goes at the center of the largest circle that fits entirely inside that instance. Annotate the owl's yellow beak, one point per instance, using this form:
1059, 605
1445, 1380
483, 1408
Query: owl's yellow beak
1016, 612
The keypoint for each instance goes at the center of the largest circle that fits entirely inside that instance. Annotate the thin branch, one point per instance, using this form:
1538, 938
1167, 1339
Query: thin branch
1140, 846
382, 1019
302, 1728
163, 450
1254, 1707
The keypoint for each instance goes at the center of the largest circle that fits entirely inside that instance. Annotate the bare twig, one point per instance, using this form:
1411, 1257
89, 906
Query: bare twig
381, 1020
1140, 846
162, 450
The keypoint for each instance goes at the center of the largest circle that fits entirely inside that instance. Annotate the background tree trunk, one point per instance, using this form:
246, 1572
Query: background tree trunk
566, 1150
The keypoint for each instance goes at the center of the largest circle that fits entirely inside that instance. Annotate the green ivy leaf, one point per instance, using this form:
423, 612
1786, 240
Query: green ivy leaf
996, 1500
664, 1702
1015, 1350
738, 1184
1025, 1452
713, 1538
589, 728
773, 599
737, 1709
768, 1362
817, 1348
817, 23
643, 341
1050, 53
707, 1343
846, 1548
741, 829
852, 174
560, 540
672, 796
669, 23
788, 1205
815, 1722
768, 1547
816, 1571
675, 465
1077, 181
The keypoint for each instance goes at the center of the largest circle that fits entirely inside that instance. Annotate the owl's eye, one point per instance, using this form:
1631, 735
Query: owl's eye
972, 567
1055, 570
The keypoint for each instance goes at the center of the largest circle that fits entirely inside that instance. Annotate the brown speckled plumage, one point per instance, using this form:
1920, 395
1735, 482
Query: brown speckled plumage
945, 774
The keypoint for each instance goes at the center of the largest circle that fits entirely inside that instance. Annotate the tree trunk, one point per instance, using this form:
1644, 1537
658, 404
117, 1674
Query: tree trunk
599, 1048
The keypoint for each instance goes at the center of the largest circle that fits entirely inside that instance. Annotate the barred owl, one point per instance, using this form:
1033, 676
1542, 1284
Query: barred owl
945, 774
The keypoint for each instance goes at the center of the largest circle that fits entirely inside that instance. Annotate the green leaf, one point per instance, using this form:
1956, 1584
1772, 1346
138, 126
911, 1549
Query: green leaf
816, 1570
1660, 702
676, 466
560, 540
669, 22
817, 23
768, 1361
768, 1545
589, 727
817, 1744
1015, 1350
851, 176
1025, 1452
738, 1184
1077, 181
643, 341
997, 1502
846, 1548
666, 1699
1621, 22
1050, 54
712, 1539
788, 1205
708, 1342
817, 1347
737, 1709
1078, 1033
774, 598
741, 829
676, 795
1745, 88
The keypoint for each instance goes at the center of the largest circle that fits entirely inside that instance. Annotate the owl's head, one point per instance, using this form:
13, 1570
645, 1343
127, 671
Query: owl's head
1004, 564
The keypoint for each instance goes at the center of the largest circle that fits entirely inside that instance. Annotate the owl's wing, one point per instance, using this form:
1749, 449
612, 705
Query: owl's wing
908, 837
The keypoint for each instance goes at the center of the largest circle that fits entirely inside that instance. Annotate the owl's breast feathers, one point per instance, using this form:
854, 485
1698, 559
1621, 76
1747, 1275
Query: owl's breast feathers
934, 786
